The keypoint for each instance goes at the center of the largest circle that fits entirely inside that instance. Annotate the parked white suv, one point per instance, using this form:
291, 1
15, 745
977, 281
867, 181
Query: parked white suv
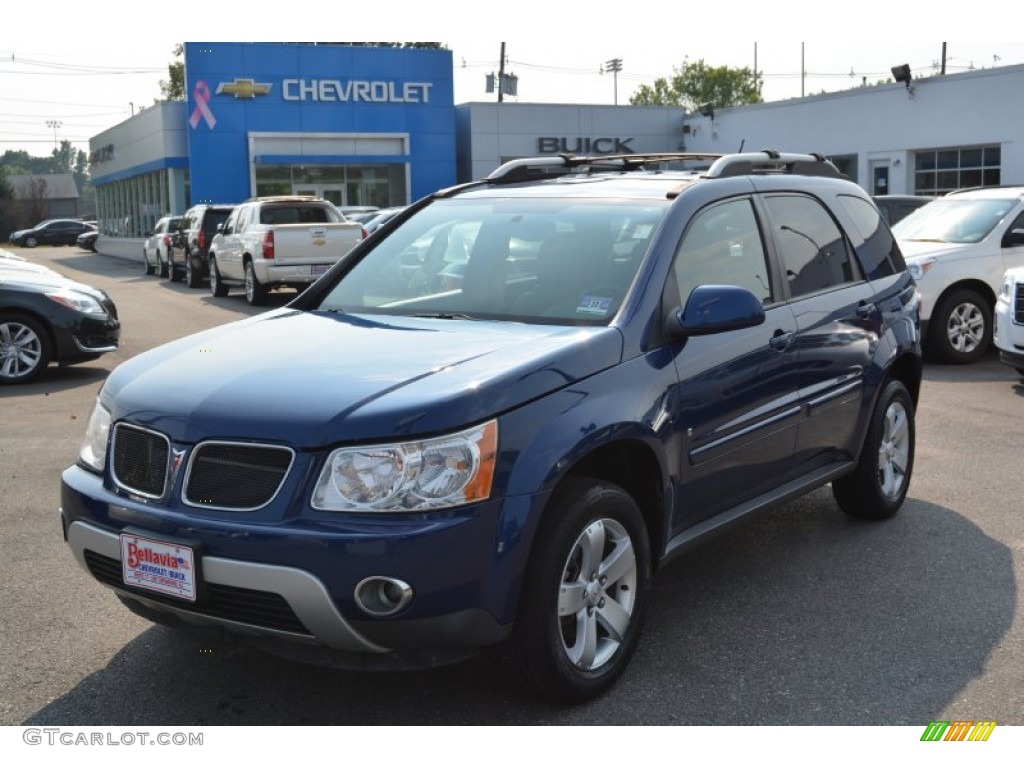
269, 242
958, 248
1009, 320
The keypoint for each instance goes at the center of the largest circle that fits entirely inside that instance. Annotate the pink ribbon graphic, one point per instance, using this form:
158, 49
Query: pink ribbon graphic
202, 110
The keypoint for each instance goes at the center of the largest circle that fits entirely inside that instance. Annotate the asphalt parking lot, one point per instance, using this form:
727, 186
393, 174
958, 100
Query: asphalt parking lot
799, 617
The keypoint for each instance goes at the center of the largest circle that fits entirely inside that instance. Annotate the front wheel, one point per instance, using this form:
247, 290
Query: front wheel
150, 268
217, 287
24, 349
877, 488
31, 242
585, 593
961, 327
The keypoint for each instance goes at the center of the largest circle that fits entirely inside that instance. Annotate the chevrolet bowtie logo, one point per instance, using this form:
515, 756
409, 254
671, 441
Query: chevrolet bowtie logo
244, 88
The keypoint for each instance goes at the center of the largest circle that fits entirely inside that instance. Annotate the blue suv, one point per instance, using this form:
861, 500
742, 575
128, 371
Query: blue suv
495, 420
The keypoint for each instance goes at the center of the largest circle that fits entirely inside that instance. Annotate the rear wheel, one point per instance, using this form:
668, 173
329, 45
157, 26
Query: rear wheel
877, 488
255, 292
192, 279
217, 288
24, 349
583, 601
960, 330
172, 272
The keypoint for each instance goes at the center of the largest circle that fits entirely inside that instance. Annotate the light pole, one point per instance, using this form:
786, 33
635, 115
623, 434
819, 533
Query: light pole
614, 66
55, 124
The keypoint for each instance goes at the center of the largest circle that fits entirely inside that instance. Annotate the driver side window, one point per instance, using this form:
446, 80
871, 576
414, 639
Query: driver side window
723, 246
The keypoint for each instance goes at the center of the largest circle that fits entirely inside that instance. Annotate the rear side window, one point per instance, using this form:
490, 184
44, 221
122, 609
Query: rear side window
879, 254
812, 249
213, 219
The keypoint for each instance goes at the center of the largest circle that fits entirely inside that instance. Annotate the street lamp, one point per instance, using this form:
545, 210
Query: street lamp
614, 66
55, 124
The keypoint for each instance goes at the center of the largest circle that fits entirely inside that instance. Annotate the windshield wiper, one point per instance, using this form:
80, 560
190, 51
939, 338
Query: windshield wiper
445, 315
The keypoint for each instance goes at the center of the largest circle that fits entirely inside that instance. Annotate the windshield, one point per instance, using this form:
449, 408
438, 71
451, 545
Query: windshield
531, 260
952, 220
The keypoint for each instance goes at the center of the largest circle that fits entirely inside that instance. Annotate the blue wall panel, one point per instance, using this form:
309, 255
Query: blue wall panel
314, 89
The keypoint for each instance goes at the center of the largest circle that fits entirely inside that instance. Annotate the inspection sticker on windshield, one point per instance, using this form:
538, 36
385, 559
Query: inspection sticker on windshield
158, 566
593, 305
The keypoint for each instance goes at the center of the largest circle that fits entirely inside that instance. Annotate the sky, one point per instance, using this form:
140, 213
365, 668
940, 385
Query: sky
71, 81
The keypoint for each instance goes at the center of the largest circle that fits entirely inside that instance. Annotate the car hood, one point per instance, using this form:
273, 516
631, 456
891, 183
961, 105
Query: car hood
319, 379
39, 279
920, 249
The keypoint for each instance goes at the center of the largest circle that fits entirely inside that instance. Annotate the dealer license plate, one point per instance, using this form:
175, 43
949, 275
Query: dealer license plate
158, 566
319, 269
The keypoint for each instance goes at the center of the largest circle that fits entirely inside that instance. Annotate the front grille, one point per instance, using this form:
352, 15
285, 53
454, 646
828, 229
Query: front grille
1018, 304
246, 606
235, 476
140, 460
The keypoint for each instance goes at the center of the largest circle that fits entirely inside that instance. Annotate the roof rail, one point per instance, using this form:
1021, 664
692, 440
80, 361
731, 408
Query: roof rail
549, 166
772, 161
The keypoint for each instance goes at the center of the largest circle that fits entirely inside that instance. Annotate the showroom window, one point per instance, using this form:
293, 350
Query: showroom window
939, 171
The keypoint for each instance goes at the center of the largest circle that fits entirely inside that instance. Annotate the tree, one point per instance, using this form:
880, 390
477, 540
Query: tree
173, 88
697, 83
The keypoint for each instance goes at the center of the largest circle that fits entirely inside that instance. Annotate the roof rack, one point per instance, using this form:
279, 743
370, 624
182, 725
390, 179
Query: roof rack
742, 164
772, 161
550, 166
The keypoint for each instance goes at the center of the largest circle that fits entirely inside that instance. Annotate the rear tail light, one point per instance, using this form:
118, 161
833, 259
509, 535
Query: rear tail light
365, 234
167, 240
201, 239
268, 245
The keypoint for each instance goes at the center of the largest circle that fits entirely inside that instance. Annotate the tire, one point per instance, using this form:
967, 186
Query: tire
217, 288
172, 272
164, 271
150, 268
563, 645
255, 292
877, 488
24, 349
31, 242
960, 330
192, 278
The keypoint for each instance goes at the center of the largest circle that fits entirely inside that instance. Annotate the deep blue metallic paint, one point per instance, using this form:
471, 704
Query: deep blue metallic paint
713, 423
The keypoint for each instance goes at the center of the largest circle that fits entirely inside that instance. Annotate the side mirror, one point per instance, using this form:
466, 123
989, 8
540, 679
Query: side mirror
714, 309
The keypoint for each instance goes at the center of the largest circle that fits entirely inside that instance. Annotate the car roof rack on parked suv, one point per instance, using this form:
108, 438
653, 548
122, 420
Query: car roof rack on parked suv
741, 164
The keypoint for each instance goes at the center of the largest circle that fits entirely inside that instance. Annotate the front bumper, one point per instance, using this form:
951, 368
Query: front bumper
289, 586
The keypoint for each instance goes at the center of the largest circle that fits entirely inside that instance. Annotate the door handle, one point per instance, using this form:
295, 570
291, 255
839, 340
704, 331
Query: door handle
866, 310
781, 339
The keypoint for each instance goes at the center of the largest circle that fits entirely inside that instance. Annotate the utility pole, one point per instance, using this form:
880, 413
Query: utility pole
55, 124
501, 75
614, 66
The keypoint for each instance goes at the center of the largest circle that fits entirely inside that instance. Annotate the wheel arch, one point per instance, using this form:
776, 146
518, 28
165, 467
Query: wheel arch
17, 310
973, 284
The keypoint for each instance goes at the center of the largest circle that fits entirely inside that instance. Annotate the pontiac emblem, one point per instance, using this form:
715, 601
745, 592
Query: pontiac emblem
177, 458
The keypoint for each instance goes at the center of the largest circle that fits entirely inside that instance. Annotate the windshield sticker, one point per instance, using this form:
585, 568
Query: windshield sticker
593, 305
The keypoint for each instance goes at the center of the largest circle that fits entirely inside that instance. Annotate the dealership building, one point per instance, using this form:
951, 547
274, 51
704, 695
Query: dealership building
379, 126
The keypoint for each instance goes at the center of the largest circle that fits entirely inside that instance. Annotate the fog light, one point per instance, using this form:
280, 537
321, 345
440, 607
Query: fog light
382, 595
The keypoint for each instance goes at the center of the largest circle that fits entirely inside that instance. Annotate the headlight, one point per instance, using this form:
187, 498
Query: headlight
410, 477
93, 452
920, 267
77, 301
